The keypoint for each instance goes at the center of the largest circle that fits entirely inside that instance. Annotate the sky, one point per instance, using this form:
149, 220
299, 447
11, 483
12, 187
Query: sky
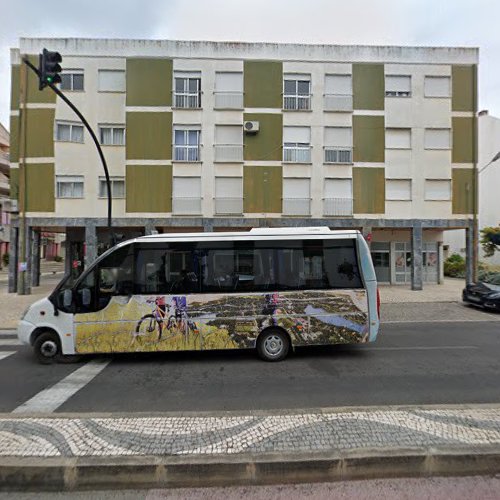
465, 23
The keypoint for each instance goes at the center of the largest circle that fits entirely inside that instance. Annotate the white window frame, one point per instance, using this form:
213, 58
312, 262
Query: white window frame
70, 179
431, 148
231, 201
228, 98
184, 205
337, 153
426, 196
337, 101
389, 197
187, 99
186, 147
113, 180
293, 204
388, 130
434, 96
71, 73
113, 127
120, 90
295, 151
337, 205
71, 126
397, 93
295, 101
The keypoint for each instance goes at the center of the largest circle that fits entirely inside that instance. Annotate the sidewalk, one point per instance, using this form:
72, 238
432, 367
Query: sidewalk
449, 291
253, 448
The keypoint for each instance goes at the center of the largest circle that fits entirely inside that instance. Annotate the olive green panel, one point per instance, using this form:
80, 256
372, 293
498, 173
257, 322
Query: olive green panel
149, 82
14, 139
368, 190
262, 189
39, 133
40, 187
14, 87
149, 136
462, 180
14, 183
464, 139
46, 95
149, 188
368, 85
267, 143
464, 88
263, 84
368, 138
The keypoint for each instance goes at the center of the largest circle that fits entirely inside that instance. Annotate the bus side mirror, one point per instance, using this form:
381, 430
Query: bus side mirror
67, 298
86, 297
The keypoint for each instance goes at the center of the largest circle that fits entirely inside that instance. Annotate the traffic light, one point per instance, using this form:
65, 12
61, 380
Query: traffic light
49, 68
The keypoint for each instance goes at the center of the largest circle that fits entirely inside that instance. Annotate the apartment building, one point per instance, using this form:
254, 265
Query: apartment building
218, 135
5, 205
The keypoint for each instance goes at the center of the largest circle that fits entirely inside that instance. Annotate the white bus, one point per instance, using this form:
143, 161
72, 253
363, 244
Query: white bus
269, 289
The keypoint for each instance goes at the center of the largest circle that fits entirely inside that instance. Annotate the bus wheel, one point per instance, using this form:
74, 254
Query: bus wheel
47, 348
273, 345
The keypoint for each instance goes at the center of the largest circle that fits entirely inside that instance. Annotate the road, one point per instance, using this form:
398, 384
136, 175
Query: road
411, 363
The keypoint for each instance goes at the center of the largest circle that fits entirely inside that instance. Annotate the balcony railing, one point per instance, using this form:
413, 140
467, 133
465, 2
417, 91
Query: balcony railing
228, 152
297, 102
228, 206
187, 100
187, 153
297, 154
228, 100
186, 206
296, 206
337, 102
337, 206
4, 162
338, 154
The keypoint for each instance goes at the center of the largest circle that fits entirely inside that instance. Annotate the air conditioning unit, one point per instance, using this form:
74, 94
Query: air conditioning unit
251, 127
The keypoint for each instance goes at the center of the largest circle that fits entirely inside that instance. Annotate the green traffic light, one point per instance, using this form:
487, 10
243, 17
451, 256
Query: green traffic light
49, 79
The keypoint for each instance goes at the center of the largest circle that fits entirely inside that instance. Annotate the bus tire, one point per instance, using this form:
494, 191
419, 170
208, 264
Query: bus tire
47, 348
273, 345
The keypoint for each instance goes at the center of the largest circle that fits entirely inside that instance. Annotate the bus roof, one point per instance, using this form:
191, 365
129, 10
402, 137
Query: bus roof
254, 234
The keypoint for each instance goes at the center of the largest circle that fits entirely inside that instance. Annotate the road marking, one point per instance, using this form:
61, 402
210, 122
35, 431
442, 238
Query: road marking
420, 348
50, 399
9, 342
7, 333
479, 320
6, 354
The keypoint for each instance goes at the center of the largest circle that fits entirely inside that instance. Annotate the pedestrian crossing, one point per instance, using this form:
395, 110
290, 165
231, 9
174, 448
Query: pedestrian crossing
8, 339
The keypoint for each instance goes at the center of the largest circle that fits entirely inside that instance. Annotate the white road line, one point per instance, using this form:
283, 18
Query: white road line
7, 333
9, 342
420, 348
479, 320
50, 399
6, 354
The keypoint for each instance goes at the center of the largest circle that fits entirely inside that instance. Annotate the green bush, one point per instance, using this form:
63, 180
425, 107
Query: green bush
454, 266
58, 258
5, 259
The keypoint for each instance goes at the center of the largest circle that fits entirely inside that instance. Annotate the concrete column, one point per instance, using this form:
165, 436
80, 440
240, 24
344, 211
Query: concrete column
208, 225
35, 258
150, 228
469, 255
13, 258
29, 259
440, 263
67, 255
416, 258
90, 244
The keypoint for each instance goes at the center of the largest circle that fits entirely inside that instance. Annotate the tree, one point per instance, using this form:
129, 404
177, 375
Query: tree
490, 240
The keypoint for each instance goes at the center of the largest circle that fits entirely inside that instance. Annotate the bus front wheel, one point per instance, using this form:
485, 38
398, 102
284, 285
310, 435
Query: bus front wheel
273, 345
47, 348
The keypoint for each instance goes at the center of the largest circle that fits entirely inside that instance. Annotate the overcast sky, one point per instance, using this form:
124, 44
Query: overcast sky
471, 23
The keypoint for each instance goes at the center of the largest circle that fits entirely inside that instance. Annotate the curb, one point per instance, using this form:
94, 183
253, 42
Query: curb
50, 474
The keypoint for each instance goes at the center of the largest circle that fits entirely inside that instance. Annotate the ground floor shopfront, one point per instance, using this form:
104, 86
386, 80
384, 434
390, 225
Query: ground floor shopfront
404, 251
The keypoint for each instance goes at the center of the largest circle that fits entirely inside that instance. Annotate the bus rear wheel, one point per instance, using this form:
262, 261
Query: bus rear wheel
273, 345
47, 348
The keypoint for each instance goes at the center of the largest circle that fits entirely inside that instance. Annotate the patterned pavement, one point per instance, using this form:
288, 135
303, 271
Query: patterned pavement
214, 435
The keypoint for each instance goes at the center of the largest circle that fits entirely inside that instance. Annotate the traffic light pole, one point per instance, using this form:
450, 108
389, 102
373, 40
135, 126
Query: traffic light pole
94, 138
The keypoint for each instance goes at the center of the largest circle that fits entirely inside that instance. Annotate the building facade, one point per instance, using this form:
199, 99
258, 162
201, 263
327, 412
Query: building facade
5, 204
216, 135
488, 181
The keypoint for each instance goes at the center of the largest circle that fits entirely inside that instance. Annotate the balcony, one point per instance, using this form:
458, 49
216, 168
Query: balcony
335, 207
186, 206
228, 206
296, 206
4, 162
185, 100
297, 102
297, 154
337, 102
228, 153
228, 100
338, 154
187, 153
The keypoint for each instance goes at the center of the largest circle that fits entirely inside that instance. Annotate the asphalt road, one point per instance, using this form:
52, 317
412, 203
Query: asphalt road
411, 363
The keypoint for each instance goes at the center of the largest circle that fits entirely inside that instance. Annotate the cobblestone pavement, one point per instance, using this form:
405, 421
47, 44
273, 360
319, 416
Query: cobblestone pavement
253, 433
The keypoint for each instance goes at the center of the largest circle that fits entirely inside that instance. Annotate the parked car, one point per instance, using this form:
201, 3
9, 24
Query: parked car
485, 293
